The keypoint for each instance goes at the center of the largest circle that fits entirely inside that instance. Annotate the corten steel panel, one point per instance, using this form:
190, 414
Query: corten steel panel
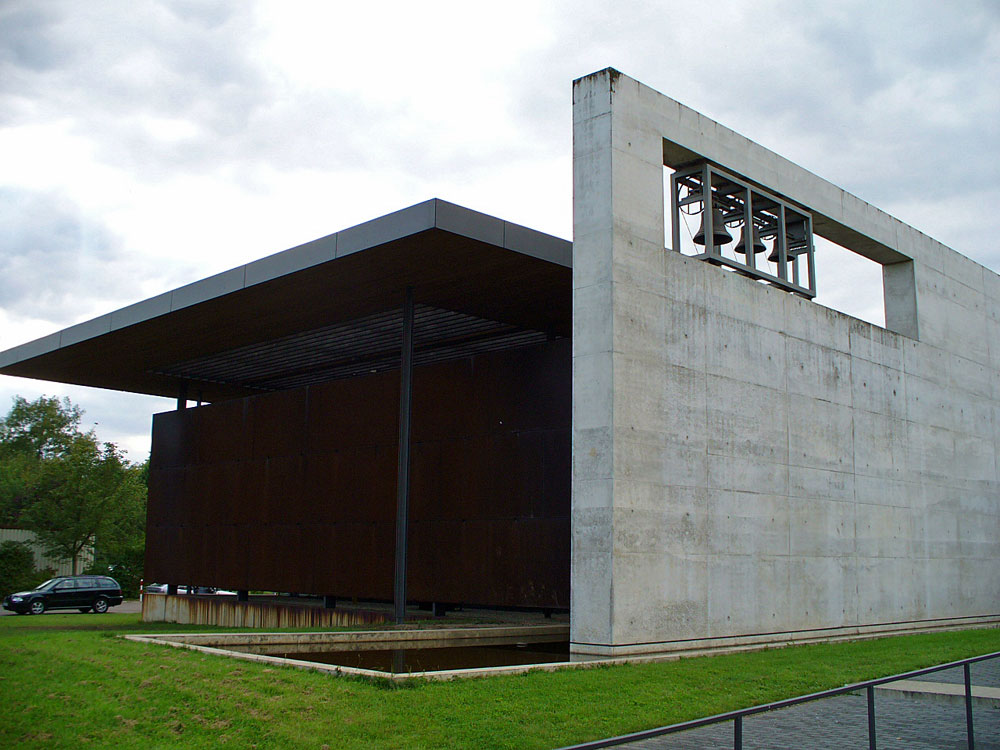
225, 497
440, 385
226, 556
323, 473
352, 559
171, 444
528, 472
501, 499
352, 485
357, 412
490, 488
162, 544
557, 460
250, 504
463, 477
516, 561
275, 559
277, 423
165, 489
220, 432
190, 503
425, 472
284, 497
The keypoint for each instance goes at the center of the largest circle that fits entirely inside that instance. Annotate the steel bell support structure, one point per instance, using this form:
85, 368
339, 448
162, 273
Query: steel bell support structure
736, 202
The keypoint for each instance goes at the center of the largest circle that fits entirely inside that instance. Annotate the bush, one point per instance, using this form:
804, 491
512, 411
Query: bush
17, 568
125, 566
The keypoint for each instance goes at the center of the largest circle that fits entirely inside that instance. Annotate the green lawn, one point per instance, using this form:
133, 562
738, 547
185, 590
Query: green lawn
67, 680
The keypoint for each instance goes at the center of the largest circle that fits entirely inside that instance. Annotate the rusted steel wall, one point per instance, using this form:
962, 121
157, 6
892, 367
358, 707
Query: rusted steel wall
227, 612
296, 491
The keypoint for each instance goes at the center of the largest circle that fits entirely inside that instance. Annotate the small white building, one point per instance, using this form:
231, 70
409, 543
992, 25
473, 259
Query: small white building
44, 561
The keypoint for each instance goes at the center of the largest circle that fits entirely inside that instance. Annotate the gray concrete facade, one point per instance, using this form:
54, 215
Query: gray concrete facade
749, 464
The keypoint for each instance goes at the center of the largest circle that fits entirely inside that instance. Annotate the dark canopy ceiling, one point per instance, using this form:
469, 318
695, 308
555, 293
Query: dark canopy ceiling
325, 310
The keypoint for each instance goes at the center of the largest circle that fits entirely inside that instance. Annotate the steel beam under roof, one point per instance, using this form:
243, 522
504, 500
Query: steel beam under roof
325, 310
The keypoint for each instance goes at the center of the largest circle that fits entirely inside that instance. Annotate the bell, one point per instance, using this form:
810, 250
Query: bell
719, 234
791, 251
758, 243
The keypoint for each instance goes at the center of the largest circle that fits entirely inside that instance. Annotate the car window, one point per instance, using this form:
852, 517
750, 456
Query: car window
65, 585
47, 585
107, 583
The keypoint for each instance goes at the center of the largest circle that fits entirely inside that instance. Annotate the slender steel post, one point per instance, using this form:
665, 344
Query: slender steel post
403, 469
182, 397
968, 707
871, 718
738, 733
675, 215
707, 217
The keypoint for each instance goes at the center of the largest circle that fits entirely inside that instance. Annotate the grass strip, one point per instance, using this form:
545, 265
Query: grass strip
67, 680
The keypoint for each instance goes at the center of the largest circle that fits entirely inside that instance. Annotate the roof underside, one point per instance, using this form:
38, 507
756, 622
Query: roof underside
329, 309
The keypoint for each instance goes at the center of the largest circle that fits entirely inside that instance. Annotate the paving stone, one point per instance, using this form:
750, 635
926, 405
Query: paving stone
841, 723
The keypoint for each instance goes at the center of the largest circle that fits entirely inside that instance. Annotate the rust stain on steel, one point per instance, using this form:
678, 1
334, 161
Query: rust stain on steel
227, 612
295, 491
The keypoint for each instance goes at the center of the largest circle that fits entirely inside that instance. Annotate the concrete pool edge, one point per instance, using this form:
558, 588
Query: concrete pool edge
214, 643
468, 636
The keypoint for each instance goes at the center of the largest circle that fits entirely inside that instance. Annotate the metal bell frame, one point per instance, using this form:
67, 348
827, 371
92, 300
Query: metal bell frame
773, 218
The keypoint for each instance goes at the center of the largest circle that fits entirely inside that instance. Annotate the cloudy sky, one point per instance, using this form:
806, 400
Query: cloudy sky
146, 144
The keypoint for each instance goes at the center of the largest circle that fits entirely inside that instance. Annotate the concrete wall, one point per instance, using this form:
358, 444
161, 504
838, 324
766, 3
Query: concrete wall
750, 463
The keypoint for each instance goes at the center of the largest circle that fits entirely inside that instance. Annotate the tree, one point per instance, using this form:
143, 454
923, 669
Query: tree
31, 433
67, 487
44, 427
17, 568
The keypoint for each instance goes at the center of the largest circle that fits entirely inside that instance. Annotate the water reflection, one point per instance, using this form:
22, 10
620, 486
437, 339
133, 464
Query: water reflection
400, 660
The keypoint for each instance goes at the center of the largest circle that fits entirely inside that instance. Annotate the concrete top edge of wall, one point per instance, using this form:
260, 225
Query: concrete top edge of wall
689, 137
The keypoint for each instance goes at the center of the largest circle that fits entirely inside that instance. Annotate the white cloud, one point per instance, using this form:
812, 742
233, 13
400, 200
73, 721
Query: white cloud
170, 140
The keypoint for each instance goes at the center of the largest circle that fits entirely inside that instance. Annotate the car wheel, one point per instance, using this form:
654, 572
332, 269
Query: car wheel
100, 605
36, 607
84, 610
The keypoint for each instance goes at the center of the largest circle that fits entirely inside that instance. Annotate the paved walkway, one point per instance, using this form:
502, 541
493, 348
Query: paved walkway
902, 722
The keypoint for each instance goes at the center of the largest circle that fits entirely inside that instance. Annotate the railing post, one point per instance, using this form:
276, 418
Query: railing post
738, 733
968, 706
871, 718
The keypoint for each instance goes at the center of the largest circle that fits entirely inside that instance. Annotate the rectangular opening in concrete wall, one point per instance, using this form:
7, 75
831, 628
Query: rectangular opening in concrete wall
844, 281
849, 283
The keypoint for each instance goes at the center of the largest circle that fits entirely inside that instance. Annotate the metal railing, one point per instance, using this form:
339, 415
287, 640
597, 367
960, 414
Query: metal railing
737, 716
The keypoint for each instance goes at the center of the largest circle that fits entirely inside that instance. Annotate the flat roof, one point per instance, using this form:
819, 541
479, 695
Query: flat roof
327, 309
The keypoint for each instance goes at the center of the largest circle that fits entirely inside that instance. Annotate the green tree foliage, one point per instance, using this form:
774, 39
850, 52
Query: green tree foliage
44, 428
66, 486
31, 433
17, 568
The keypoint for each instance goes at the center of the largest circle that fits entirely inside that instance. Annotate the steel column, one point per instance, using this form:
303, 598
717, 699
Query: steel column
403, 469
182, 397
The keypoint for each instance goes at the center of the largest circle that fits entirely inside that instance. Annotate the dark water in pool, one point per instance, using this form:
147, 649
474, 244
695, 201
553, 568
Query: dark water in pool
435, 659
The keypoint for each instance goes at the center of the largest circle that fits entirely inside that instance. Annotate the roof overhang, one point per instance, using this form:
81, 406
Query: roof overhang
325, 309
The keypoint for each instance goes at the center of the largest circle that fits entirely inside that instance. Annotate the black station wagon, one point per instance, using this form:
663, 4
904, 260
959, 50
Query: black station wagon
85, 593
